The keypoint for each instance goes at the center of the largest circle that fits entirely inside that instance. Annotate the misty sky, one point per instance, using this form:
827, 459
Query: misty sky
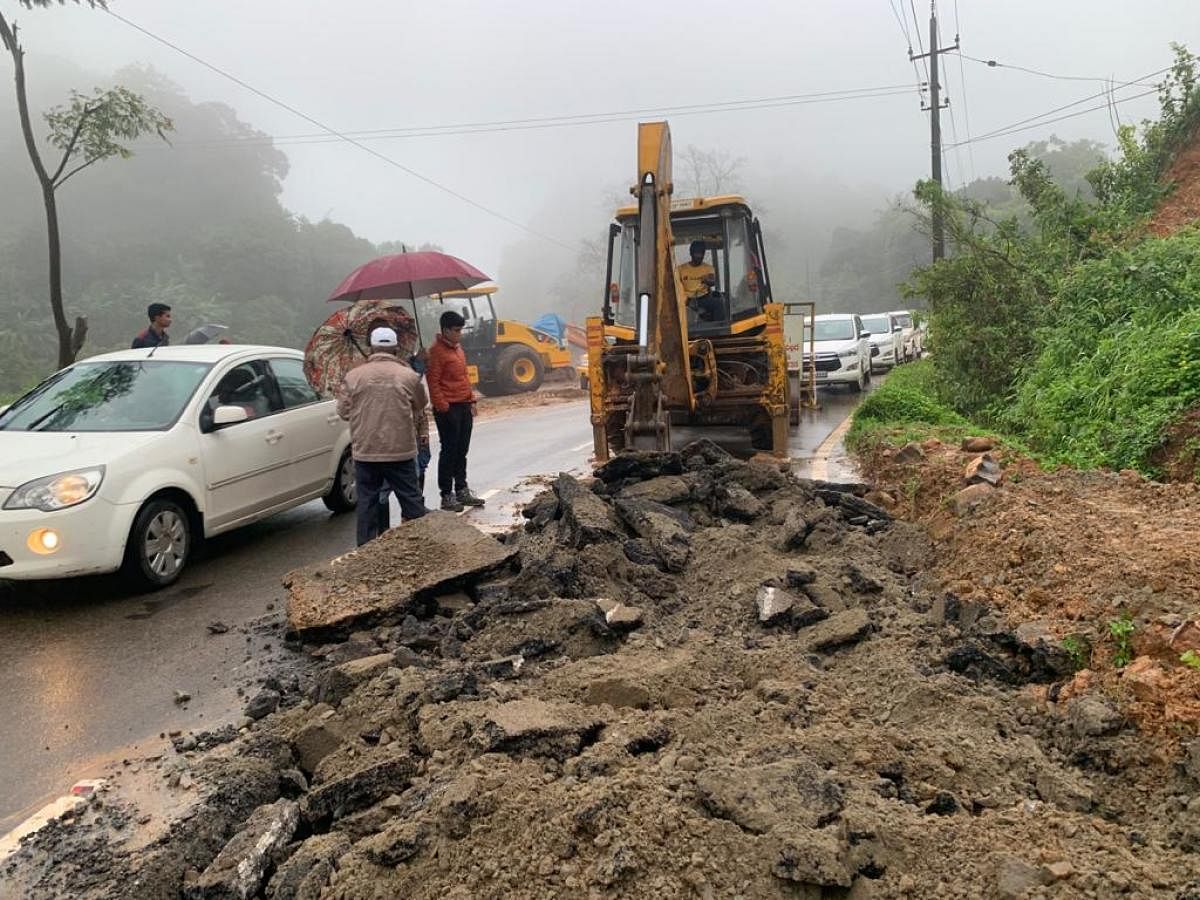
376, 64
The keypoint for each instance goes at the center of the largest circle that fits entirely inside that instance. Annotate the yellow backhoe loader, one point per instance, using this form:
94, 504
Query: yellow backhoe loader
685, 343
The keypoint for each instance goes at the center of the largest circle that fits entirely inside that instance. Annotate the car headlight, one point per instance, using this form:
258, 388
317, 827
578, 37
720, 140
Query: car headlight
847, 354
57, 491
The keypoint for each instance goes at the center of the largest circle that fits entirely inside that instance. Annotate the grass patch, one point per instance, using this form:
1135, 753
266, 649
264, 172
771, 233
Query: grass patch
905, 408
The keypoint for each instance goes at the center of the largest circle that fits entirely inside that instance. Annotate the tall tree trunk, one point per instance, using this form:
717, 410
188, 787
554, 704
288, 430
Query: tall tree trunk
67, 348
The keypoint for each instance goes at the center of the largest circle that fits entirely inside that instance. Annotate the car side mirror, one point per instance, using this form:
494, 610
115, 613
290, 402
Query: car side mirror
865, 334
228, 415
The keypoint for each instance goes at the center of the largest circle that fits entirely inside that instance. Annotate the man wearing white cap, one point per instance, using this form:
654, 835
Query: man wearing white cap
384, 401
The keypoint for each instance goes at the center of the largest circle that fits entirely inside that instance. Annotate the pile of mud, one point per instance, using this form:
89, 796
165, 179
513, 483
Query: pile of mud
696, 677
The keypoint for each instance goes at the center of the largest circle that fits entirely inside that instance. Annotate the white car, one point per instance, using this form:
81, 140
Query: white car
843, 350
886, 339
125, 460
911, 337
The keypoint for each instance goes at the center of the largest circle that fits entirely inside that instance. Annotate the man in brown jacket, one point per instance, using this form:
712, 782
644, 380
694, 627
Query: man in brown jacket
384, 401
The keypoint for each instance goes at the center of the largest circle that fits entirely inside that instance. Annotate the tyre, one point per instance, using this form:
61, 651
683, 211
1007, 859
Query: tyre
343, 494
856, 387
519, 370
159, 545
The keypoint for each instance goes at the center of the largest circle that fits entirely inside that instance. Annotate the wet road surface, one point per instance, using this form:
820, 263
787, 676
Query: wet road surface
91, 671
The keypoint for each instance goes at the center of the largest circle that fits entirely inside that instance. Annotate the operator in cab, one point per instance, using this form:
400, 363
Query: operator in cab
698, 278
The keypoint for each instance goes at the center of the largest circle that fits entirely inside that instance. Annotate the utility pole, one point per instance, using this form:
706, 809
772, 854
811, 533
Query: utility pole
935, 122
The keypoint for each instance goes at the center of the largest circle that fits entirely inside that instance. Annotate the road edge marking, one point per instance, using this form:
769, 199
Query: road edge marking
820, 457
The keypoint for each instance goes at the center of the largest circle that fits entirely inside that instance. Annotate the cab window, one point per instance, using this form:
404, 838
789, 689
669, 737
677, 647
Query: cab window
248, 386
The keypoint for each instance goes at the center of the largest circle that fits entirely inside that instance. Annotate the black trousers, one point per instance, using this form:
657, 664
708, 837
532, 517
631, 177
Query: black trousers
454, 434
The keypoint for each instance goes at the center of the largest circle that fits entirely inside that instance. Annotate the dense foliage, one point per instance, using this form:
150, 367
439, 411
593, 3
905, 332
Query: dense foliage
1075, 330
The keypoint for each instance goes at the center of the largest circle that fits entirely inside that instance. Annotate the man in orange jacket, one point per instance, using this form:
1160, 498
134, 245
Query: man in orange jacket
453, 401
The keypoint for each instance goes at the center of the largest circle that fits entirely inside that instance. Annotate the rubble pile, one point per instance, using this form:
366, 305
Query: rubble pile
690, 677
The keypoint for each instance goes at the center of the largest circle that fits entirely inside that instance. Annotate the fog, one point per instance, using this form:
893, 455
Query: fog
809, 167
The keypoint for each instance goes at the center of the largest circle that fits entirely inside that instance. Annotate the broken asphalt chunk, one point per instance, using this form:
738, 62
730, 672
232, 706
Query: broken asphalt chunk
241, 867
361, 788
847, 627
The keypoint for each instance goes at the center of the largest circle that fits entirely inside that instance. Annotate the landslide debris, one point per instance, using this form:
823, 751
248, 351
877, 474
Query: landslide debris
694, 677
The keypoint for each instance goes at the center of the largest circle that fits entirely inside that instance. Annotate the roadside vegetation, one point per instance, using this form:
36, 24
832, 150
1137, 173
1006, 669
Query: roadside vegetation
1072, 326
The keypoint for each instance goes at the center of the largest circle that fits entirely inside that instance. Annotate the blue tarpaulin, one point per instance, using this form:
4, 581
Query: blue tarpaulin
554, 324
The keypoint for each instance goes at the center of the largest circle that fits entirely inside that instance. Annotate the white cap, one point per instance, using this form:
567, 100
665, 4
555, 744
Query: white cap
384, 337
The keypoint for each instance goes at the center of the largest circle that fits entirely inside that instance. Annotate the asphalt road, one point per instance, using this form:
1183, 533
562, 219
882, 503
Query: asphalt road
91, 671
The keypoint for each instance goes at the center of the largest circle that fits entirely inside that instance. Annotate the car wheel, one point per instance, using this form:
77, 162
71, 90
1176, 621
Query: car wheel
858, 384
343, 494
159, 545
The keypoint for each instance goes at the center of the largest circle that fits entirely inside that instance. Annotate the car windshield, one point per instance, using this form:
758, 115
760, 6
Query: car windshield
833, 330
877, 324
138, 395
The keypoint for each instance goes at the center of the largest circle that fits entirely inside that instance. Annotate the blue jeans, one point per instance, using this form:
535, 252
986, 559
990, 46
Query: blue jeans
385, 513
371, 480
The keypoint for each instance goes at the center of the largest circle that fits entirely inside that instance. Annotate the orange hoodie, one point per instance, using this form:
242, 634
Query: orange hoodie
446, 373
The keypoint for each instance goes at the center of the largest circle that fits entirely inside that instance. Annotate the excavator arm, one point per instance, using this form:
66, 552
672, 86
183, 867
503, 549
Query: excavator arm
660, 370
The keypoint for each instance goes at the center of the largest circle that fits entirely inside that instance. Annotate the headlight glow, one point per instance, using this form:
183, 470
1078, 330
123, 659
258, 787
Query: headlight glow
56, 492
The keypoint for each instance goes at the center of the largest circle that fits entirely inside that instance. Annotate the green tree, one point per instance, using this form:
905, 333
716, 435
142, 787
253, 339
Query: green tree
84, 131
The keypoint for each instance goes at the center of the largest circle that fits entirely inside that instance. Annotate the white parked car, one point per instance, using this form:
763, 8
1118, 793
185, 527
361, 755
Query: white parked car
911, 348
886, 339
125, 460
843, 350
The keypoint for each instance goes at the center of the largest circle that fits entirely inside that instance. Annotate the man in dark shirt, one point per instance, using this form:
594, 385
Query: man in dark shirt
156, 335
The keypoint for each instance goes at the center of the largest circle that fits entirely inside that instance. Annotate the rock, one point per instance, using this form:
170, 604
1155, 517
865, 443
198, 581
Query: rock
217, 627
618, 693
398, 842
840, 629
303, 874
378, 583
978, 444
798, 578
704, 452
666, 489
241, 867
969, 497
314, 742
533, 727
504, 668
1014, 878
450, 686
813, 858
359, 789
909, 453
663, 528
852, 506
262, 704
541, 510
983, 470
735, 502
1056, 871
944, 804
1145, 679
1043, 650
586, 519
641, 466
639, 552
1093, 716
1186, 637
407, 657
781, 795
794, 531
292, 783
450, 605
618, 616
774, 605
182, 697
338, 682
1065, 791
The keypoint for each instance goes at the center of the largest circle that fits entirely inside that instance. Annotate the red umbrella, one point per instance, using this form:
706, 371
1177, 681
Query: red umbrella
407, 276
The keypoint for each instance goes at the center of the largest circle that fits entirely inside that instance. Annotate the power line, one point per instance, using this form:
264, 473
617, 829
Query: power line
920, 43
1057, 109
993, 64
335, 133
958, 163
569, 120
1008, 131
962, 78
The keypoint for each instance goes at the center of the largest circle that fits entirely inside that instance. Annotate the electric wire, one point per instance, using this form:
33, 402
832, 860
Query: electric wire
962, 79
994, 64
1005, 132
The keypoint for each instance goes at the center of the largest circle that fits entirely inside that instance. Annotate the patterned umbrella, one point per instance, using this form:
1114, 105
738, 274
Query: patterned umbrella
342, 341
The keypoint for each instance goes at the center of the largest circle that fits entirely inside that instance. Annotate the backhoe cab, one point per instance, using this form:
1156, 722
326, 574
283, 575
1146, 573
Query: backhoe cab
503, 356
679, 344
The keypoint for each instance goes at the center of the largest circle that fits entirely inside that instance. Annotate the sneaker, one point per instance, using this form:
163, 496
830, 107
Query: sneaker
450, 504
466, 498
